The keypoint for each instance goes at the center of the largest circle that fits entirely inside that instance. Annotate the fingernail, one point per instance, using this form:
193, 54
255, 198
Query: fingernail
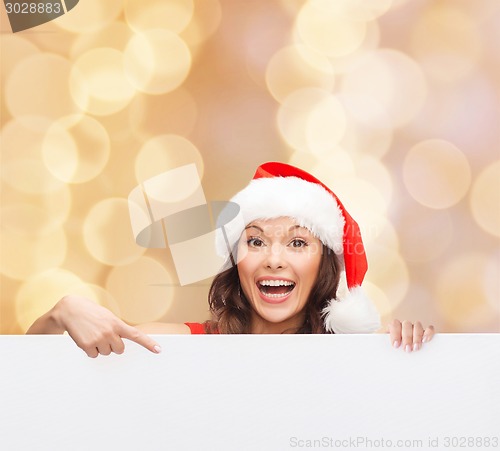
424, 339
157, 349
416, 346
408, 348
396, 344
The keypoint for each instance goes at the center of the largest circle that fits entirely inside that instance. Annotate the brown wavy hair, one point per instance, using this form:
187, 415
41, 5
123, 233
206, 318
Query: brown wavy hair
231, 310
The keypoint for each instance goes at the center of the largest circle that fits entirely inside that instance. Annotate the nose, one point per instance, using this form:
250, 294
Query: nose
275, 257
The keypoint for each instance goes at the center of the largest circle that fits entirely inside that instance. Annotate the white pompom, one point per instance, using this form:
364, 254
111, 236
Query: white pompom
354, 313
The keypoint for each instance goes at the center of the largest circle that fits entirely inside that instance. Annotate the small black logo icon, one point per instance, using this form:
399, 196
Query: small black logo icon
24, 14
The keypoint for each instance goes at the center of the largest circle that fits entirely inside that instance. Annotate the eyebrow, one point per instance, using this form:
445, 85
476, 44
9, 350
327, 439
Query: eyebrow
254, 226
296, 226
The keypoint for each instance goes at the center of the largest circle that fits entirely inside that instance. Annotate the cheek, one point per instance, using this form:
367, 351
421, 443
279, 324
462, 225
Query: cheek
308, 268
246, 269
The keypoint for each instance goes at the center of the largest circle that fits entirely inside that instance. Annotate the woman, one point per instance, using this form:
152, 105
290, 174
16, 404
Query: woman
297, 266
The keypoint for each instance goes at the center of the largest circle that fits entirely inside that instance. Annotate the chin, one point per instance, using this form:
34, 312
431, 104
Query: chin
277, 314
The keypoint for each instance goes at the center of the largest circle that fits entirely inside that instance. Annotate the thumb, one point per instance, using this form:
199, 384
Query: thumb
140, 337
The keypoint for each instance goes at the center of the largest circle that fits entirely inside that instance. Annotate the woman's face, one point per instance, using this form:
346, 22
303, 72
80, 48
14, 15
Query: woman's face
279, 268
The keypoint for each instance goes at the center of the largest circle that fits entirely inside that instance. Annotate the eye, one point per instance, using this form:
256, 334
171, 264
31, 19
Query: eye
255, 242
298, 243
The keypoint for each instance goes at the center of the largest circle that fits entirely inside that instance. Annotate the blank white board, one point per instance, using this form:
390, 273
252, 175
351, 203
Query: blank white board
251, 392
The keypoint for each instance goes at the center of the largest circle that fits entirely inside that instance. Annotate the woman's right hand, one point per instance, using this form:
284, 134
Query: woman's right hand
94, 328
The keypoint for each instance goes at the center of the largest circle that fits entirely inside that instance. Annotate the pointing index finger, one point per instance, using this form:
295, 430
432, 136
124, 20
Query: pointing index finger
140, 338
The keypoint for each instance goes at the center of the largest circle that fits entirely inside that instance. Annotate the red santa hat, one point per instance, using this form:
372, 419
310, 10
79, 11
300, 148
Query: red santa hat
279, 189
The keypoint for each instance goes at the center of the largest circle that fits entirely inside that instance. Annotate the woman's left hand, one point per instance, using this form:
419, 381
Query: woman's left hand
409, 335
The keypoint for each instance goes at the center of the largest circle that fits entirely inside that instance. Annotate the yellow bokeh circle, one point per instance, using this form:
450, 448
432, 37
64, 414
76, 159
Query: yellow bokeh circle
142, 289
459, 290
38, 86
108, 235
312, 119
40, 293
353, 9
90, 16
76, 152
436, 173
25, 171
328, 31
379, 298
173, 15
15, 49
204, 23
485, 199
295, 67
425, 233
390, 78
35, 213
175, 112
362, 199
115, 36
490, 280
98, 77
447, 43
163, 153
369, 129
333, 167
157, 61
26, 254
388, 271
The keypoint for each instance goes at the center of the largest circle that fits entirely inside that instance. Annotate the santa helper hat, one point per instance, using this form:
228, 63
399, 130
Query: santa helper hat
279, 189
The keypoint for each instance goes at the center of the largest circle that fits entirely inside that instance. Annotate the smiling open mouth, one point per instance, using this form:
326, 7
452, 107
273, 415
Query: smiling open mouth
275, 288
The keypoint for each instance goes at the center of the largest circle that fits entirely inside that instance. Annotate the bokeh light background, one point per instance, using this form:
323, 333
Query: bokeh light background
392, 103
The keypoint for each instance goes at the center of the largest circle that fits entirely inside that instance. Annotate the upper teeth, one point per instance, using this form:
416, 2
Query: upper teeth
276, 283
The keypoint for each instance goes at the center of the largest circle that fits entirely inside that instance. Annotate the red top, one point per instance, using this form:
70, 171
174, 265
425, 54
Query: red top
196, 328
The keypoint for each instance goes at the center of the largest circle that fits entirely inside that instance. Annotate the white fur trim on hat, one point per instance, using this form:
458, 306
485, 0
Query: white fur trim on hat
308, 203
